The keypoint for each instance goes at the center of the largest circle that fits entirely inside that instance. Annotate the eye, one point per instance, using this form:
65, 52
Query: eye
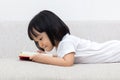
41, 38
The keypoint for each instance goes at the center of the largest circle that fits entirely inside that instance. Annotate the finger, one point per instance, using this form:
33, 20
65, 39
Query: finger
40, 51
32, 56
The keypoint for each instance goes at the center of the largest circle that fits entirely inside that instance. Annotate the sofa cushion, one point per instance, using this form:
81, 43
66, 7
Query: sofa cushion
15, 69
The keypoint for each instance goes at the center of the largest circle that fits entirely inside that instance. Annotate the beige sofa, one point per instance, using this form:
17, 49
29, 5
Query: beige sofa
14, 39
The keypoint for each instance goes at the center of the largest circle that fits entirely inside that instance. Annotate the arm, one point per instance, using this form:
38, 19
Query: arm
67, 60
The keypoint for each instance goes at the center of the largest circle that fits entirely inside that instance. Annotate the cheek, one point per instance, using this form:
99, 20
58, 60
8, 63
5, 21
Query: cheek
47, 41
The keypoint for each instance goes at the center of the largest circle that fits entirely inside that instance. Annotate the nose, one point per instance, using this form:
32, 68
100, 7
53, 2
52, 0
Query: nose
41, 44
38, 46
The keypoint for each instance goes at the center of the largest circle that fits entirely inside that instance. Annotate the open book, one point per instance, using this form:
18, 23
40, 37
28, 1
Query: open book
25, 55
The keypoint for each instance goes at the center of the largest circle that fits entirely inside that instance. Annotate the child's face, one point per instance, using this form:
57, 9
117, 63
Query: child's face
43, 40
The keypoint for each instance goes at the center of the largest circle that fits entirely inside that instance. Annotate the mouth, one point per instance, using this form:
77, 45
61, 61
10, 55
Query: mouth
44, 47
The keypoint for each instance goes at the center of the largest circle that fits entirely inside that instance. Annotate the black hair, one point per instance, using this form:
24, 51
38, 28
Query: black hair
47, 21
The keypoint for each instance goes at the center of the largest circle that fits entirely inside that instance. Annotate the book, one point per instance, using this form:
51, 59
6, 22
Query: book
25, 55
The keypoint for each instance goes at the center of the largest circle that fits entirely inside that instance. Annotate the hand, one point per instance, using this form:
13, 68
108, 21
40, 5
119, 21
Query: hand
35, 57
40, 51
38, 57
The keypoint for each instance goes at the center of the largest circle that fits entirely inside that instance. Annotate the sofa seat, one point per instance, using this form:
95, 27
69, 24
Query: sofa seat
15, 69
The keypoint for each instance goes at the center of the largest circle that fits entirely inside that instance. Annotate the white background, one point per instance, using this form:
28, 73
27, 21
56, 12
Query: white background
66, 9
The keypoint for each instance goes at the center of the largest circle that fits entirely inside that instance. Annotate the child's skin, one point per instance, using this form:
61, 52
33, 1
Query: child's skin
45, 43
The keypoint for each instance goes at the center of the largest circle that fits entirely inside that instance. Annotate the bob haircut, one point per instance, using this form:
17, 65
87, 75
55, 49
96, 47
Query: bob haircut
47, 21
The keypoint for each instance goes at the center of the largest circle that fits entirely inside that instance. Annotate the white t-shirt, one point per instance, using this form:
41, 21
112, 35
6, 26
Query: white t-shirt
87, 51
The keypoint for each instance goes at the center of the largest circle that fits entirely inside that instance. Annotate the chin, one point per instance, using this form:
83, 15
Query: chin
48, 49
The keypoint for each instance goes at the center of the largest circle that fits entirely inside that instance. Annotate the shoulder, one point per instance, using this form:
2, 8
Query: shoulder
67, 45
69, 37
69, 40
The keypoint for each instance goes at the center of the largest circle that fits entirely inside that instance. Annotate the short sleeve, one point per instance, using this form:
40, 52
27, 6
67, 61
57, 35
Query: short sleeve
65, 48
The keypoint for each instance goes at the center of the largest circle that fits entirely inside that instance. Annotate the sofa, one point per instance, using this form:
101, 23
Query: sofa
14, 39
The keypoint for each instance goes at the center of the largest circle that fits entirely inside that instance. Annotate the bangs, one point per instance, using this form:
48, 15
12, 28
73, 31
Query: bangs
33, 32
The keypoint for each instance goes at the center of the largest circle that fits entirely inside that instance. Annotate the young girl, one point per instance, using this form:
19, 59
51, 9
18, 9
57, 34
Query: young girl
47, 30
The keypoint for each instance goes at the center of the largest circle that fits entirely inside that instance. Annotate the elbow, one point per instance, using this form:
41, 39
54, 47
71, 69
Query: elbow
68, 64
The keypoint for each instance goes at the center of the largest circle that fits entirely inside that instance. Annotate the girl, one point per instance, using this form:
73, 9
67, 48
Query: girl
47, 30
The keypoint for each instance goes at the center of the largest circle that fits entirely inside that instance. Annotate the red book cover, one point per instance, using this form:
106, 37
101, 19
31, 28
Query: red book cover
25, 55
